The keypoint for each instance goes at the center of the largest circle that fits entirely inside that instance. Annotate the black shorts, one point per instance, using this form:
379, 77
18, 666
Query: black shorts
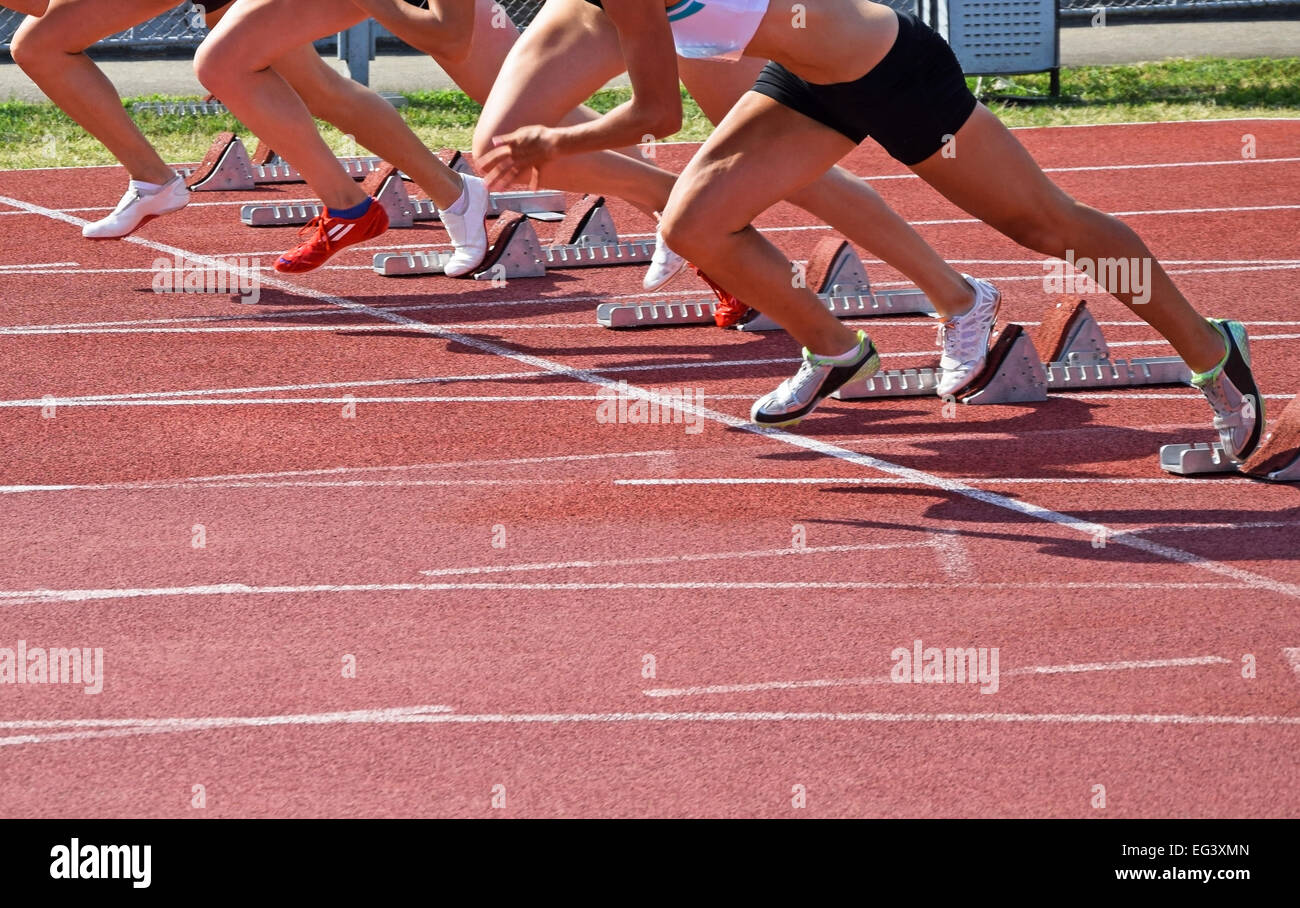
908, 103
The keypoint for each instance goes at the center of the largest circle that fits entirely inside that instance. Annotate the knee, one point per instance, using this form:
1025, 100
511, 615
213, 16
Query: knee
216, 67
692, 229
34, 45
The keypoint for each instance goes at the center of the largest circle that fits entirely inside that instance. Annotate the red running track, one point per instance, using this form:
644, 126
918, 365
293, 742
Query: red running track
411, 473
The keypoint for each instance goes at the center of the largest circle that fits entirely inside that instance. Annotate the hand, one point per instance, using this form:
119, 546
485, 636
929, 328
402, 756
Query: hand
518, 157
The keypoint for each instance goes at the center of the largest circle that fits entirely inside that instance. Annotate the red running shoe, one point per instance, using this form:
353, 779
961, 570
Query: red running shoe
729, 310
327, 235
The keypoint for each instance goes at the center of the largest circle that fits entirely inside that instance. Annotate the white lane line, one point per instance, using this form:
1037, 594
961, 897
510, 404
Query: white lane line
890, 481
47, 596
1077, 525
669, 559
397, 382
360, 715
306, 484
1214, 527
453, 718
754, 687
1096, 167
305, 329
86, 729
255, 478
349, 399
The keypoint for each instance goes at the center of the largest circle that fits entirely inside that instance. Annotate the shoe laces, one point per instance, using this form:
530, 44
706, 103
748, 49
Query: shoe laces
960, 330
315, 232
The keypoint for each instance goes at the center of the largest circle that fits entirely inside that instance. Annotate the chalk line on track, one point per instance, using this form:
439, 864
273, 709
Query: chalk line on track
672, 559
1073, 668
452, 718
1077, 525
84, 729
47, 597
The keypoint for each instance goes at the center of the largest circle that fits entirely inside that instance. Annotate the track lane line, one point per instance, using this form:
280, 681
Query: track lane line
1073, 668
1085, 528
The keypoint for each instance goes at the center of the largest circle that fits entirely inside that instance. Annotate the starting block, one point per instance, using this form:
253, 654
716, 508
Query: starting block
834, 272
513, 252
1277, 459
387, 187
586, 238
273, 169
1078, 359
225, 168
207, 107
1012, 373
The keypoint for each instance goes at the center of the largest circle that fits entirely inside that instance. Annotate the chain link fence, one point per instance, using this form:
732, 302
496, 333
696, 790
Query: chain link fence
182, 28
1082, 10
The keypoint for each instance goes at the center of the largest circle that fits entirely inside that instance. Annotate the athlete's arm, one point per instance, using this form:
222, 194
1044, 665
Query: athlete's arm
654, 111
443, 30
655, 108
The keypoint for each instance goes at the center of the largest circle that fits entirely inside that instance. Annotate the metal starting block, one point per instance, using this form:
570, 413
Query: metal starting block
513, 252
1078, 359
1012, 373
834, 272
387, 187
586, 238
1277, 459
228, 167
209, 106
273, 169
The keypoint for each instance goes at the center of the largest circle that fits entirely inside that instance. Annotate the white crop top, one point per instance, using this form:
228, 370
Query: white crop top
715, 29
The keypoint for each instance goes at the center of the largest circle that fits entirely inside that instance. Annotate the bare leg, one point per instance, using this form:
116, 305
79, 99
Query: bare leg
760, 153
51, 51
235, 64
839, 198
367, 117
1042, 217
569, 52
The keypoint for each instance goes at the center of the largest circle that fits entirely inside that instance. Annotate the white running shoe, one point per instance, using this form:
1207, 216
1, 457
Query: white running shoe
818, 378
965, 339
664, 265
1231, 390
138, 207
468, 231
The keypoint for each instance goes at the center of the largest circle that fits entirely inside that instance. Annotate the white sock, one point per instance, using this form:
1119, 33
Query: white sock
146, 188
844, 359
461, 205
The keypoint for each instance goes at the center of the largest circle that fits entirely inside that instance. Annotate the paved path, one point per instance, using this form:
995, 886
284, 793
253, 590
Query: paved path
1128, 43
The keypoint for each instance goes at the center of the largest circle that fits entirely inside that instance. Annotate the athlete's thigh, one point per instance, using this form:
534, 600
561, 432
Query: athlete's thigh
717, 86
568, 53
491, 42
261, 31
760, 153
990, 175
77, 24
